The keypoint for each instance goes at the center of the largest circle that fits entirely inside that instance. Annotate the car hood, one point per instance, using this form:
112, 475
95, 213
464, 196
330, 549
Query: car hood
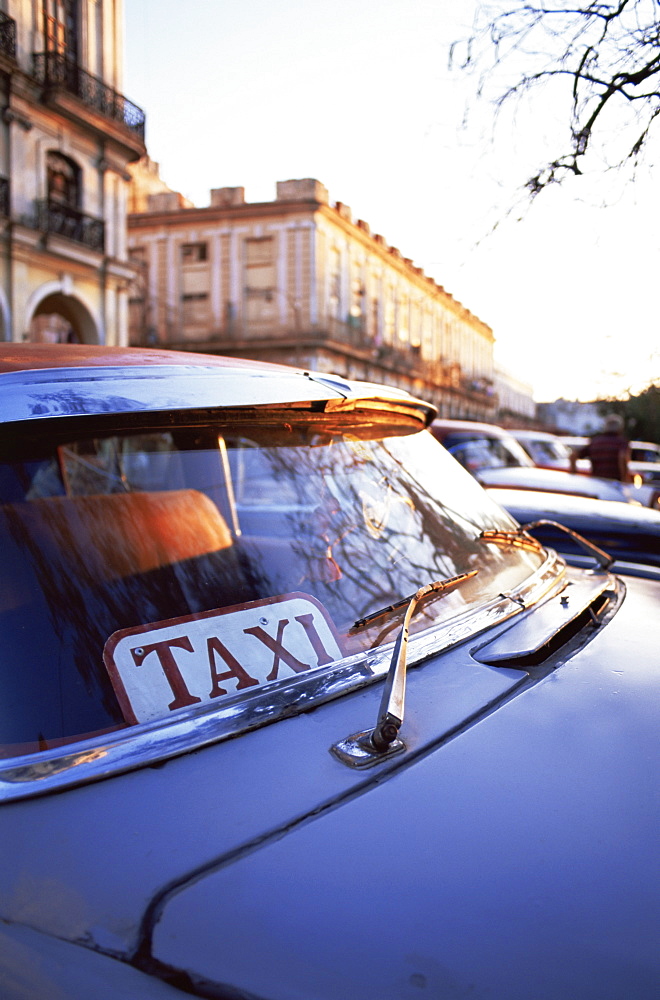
513, 861
508, 853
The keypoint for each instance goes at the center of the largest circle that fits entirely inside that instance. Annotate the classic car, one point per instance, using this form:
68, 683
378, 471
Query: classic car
478, 445
550, 481
630, 534
640, 451
644, 461
546, 450
293, 709
496, 458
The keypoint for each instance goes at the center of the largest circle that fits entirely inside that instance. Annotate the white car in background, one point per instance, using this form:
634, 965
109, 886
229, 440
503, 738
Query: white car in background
495, 457
546, 450
644, 458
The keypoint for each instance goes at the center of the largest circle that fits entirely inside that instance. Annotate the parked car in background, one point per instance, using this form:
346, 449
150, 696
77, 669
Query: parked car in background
292, 708
645, 451
547, 451
480, 446
630, 534
496, 458
644, 494
644, 458
640, 451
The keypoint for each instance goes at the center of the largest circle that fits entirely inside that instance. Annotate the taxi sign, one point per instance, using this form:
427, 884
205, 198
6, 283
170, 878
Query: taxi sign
165, 666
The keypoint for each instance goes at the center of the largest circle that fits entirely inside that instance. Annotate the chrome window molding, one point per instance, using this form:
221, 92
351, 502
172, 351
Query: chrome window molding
148, 743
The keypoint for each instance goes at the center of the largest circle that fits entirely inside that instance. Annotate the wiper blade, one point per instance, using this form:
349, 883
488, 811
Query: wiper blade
518, 538
367, 747
439, 586
522, 539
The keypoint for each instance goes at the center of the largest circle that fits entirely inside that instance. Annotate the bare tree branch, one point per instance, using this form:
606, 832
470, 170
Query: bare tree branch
608, 54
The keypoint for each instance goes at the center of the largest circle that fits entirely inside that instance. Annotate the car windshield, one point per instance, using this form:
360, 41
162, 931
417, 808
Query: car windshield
247, 548
476, 453
545, 450
644, 452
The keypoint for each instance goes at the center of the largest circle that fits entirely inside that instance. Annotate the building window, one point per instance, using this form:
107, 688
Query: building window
194, 253
389, 315
260, 281
63, 180
403, 319
195, 282
194, 308
61, 27
334, 284
374, 330
356, 310
259, 262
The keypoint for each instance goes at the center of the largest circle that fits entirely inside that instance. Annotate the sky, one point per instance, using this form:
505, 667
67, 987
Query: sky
359, 94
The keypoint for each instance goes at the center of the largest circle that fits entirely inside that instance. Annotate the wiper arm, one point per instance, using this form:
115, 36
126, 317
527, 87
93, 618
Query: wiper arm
368, 747
390, 714
438, 587
522, 539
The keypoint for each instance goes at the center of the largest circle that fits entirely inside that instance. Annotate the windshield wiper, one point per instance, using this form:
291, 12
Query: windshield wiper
372, 745
438, 587
522, 539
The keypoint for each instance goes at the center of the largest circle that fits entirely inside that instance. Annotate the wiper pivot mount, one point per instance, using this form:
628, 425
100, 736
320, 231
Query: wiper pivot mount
373, 745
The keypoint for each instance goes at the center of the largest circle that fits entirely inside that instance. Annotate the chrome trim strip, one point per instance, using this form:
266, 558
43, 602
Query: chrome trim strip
45, 393
70, 392
101, 757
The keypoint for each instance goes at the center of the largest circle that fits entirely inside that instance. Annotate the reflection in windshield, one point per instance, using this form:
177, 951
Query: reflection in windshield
122, 531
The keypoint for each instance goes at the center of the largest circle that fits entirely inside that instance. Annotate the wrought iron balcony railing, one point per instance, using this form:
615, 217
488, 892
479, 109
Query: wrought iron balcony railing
4, 197
52, 69
69, 222
7, 35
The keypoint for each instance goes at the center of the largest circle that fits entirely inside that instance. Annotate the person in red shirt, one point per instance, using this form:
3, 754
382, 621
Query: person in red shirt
608, 451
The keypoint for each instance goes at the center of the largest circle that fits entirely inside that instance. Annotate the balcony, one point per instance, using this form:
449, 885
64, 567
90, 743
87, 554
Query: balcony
7, 36
478, 386
58, 74
70, 223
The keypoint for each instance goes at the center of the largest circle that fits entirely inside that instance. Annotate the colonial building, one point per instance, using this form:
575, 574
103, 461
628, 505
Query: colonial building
515, 399
67, 134
298, 280
146, 182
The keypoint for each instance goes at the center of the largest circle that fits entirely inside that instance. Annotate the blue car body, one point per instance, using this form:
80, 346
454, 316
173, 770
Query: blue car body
261, 841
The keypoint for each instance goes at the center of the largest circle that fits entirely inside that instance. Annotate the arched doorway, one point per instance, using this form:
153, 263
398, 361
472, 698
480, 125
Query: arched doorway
62, 319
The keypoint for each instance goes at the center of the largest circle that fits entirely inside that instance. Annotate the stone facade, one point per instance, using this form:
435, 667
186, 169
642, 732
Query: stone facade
67, 134
515, 400
146, 184
299, 280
